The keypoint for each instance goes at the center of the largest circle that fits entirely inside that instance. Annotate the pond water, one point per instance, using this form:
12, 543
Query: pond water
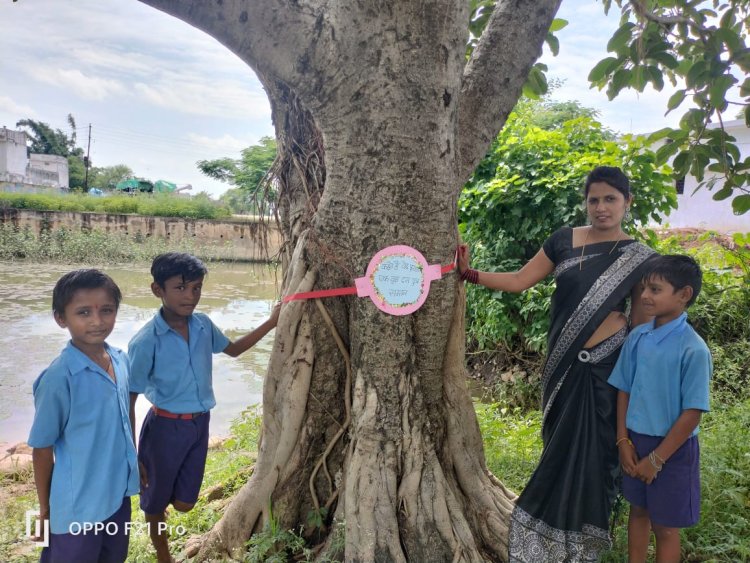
237, 297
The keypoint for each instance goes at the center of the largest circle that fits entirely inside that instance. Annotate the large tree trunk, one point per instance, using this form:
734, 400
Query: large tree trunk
367, 415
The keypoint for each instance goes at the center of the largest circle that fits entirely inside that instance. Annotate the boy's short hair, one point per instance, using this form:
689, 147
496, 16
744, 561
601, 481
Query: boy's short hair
89, 278
172, 264
678, 270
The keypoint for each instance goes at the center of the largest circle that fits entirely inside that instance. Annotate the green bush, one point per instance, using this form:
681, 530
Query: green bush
529, 185
160, 205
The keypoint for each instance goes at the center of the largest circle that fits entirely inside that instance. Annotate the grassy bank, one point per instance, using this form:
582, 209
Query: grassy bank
97, 247
512, 447
158, 205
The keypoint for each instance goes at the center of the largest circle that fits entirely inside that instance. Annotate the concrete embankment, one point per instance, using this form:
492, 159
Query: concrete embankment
237, 238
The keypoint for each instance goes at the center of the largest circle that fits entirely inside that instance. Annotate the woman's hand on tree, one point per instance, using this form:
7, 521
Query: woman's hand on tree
464, 258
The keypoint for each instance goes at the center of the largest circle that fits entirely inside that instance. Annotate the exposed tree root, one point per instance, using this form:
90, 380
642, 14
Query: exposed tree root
488, 503
347, 404
285, 394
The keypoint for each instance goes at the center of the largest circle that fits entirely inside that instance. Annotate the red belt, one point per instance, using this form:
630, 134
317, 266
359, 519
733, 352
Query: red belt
167, 414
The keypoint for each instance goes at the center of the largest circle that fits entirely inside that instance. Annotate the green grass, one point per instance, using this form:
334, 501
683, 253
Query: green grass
723, 533
512, 442
227, 468
512, 447
97, 247
159, 205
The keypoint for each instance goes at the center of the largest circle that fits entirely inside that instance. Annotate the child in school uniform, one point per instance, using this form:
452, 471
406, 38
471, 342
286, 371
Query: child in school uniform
171, 363
85, 466
663, 378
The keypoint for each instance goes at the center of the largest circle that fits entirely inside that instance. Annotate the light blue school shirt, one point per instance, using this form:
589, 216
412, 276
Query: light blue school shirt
175, 374
665, 370
84, 416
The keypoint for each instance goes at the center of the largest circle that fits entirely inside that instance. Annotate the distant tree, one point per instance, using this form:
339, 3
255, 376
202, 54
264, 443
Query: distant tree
247, 175
76, 173
106, 177
238, 201
550, 114
46, 140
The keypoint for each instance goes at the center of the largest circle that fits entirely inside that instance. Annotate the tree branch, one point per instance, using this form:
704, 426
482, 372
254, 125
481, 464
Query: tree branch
642, 10
496, 72
276, 38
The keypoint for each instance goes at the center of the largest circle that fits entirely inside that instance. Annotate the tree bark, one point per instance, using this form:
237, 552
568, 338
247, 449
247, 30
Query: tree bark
364, 414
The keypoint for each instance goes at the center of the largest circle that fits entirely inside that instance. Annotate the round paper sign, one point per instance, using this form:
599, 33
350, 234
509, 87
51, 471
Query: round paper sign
398, 280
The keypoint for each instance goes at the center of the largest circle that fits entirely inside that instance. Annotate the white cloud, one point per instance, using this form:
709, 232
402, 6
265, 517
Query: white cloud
82, 85
11, 107
200, 97
226, 144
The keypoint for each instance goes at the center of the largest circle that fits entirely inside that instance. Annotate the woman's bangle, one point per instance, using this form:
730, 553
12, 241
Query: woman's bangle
624, 439
470, 275
658, 458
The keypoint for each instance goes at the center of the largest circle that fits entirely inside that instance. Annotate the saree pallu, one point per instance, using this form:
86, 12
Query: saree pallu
563, 513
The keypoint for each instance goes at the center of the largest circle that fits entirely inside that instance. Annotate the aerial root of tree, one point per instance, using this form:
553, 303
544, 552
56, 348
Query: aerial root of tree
430, 497
347, 404
285, 394
488, 502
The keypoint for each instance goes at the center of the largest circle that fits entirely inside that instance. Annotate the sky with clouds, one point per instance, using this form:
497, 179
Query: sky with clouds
161, 95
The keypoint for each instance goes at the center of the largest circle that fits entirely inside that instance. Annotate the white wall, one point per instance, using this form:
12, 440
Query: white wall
699, 209
13, 157
48, 170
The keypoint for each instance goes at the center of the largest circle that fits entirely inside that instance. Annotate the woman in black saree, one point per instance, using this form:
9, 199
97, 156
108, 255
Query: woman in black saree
563, 513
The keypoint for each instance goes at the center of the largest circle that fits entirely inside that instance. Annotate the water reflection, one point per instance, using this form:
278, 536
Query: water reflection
237, 297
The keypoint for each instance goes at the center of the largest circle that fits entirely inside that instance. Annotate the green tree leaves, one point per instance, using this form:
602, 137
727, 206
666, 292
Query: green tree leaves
703, 47
247, 175
528, 185
45, 140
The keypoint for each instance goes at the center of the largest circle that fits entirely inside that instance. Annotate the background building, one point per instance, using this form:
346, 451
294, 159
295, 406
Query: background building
24, 171
699, 209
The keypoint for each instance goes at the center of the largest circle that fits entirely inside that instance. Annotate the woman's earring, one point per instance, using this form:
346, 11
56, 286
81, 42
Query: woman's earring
627, 216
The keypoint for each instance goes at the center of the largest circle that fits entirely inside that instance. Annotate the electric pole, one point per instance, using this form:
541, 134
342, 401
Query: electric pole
86, 163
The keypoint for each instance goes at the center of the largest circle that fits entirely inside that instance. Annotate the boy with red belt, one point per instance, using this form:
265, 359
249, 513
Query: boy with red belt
170, 362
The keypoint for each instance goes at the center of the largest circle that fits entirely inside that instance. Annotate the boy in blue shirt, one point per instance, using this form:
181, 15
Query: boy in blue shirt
663, 375
85, 466
170, 362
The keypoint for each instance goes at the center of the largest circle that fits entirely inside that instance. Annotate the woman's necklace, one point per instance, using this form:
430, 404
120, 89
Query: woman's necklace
583, 248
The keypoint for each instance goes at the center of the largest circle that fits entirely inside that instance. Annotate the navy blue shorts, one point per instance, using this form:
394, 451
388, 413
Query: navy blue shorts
174, 454
108, 545
673, 499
